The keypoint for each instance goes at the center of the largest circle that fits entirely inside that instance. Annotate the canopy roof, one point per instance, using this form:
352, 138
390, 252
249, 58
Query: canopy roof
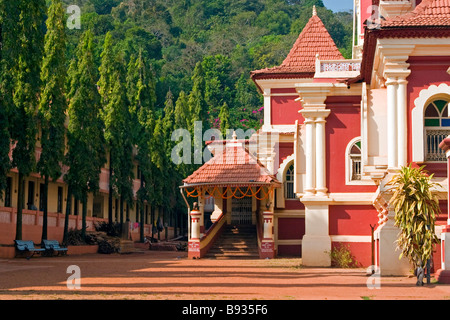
234, 166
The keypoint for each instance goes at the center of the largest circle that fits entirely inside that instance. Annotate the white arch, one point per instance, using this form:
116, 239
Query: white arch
348, 166
280, 177
283, 167
433, 92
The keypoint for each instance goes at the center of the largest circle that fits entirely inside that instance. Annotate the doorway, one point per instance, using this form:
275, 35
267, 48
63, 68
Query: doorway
241, 211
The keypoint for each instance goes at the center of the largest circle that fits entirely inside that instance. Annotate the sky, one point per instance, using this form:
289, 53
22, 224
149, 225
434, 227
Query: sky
338, 5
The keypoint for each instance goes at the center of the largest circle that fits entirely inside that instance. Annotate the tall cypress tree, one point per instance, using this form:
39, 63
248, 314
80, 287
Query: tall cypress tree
31, 26
116, 117
105, 83
86, 144
142, 97
53, 102
198, 110
224, 117
181, 113
9, 15
197, 105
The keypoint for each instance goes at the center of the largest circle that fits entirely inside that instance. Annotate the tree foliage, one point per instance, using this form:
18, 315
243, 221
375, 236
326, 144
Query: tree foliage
416, 209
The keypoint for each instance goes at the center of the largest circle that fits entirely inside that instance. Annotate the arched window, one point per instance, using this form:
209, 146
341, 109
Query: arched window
437, 128
354, 158
289, 183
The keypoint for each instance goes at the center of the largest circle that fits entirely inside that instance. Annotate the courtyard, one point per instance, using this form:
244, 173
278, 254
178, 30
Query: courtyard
160, 275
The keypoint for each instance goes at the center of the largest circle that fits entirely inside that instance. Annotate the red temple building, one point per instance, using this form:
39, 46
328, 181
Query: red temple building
343, 128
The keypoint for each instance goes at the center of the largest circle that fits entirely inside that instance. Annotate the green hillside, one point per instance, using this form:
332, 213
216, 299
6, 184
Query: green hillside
232, 37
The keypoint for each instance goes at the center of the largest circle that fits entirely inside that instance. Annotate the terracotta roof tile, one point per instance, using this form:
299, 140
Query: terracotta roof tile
235, 165
313, 40
429, 13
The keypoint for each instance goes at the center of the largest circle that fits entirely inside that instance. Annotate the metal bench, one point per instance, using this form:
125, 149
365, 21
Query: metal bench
52, 246
24, 246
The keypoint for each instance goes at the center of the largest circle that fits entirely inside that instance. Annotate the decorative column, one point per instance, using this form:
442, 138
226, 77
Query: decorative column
194, 241
394, 58
392, 133
267, 243
402, 121
321, 189
310, 187
316, 243
443, 274
267, 109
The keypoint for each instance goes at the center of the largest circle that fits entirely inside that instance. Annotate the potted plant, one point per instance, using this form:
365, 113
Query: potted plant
416, 209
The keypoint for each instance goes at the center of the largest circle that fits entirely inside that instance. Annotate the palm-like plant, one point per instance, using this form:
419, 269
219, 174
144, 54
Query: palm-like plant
416, 210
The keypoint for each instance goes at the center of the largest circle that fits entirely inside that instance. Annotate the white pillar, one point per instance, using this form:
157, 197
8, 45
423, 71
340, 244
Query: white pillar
316, 243
390, 264
267, 110
195, 226
268, 225
310, 187
321, 182
402, 122
392, 142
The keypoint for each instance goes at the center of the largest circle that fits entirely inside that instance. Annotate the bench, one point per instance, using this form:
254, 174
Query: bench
52, 246
27, 246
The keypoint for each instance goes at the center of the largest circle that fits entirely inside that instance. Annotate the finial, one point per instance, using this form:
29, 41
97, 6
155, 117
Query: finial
234, 135
314, 10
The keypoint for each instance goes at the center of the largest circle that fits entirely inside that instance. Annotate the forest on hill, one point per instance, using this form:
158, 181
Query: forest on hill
230, 37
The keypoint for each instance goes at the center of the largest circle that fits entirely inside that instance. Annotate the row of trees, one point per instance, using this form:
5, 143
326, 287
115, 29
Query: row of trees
84, 116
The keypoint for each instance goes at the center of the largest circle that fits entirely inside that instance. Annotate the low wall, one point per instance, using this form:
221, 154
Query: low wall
9, 251
32, 226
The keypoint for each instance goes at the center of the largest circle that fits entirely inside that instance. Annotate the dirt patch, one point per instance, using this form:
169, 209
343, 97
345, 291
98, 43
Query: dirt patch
170, 275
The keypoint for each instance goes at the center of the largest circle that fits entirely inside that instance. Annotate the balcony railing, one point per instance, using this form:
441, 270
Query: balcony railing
337, 68
433, 139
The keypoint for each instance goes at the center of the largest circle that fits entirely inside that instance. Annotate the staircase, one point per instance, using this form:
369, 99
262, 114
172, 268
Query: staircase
236, 242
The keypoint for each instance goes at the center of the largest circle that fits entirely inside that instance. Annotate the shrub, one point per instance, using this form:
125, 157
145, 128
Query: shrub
341, 257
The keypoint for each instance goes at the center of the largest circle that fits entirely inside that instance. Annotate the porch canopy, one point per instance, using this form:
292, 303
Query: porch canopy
232, 172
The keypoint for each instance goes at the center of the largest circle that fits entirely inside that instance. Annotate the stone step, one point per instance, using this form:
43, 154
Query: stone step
235, 242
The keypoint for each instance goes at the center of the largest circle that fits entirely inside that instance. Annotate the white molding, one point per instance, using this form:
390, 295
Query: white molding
354, 198
339, 238
417, 117
281, 83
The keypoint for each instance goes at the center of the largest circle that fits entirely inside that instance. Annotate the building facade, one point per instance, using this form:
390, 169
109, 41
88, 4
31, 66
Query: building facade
346, 126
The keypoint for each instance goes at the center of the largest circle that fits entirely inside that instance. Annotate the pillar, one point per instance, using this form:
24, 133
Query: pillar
402, 122
267, 249
392, 132
443, 274
390, 264
316, 243
194, 241
310, 157
321, 189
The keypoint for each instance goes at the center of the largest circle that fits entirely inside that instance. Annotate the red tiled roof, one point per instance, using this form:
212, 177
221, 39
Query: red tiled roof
429, 13
234, 166
313, 40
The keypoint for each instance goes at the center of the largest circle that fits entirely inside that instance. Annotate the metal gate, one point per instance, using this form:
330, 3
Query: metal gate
241, 211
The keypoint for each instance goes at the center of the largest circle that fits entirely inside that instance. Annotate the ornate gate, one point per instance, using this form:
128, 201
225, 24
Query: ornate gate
241, 211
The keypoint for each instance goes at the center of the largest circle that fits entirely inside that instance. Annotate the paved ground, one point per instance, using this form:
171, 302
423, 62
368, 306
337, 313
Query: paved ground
170, 275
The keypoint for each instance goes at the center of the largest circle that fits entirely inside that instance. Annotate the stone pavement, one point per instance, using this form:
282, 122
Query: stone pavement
157, 275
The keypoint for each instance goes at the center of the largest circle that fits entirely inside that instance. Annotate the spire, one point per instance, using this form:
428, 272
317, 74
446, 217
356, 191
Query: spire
314, 39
